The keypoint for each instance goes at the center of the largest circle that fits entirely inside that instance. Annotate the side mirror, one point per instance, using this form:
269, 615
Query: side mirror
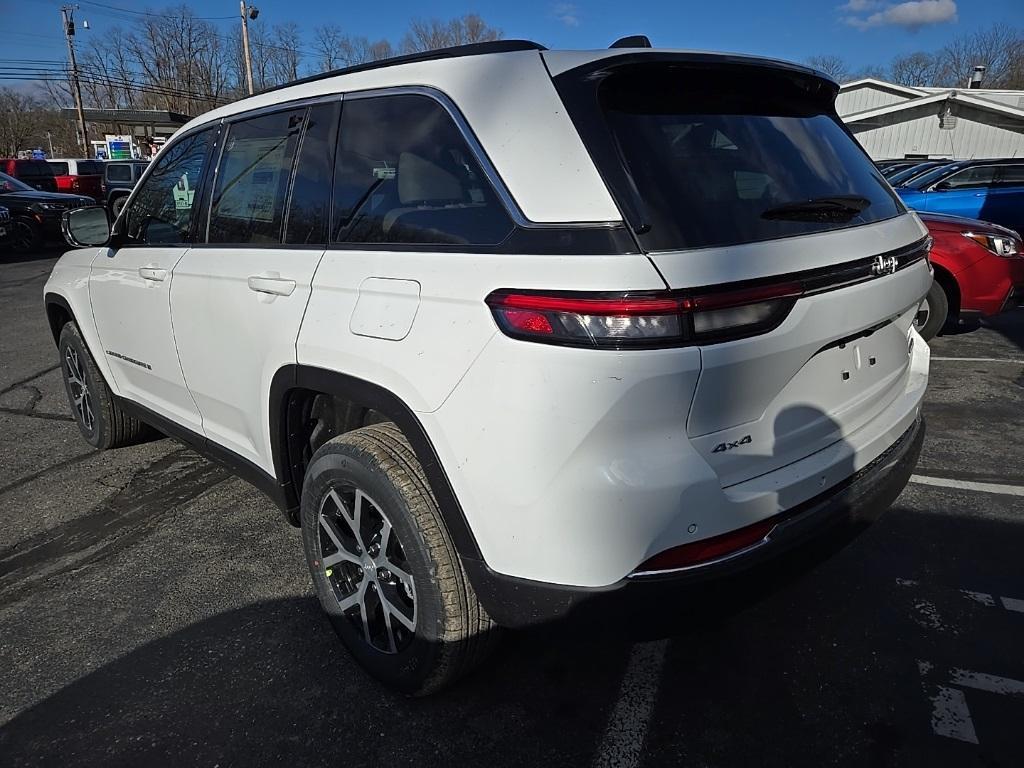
86, 227
942, 186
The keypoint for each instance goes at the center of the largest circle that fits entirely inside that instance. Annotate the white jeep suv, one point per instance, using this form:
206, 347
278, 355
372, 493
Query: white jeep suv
510, 331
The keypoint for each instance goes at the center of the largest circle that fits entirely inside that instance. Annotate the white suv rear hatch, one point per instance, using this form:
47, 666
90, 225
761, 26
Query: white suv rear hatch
761, 188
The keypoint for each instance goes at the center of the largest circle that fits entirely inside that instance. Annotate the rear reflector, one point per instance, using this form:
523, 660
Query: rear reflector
655, 319
688, 555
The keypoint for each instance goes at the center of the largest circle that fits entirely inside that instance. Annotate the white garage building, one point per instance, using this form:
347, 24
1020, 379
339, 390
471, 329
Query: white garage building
893, 121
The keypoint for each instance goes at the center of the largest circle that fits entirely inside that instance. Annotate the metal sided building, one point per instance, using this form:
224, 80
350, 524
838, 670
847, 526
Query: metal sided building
893, 121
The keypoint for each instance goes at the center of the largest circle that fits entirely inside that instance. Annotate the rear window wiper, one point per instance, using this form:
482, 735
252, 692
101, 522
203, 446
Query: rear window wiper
834, 208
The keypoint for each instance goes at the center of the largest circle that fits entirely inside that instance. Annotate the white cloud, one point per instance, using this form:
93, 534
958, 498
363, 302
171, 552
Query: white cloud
567, 13
912, 15
858, 6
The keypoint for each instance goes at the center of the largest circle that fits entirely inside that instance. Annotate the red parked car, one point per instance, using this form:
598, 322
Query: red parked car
82, 177
36, 173
979, 271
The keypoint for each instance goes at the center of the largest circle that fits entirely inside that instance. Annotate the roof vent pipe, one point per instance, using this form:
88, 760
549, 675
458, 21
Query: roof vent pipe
976, 77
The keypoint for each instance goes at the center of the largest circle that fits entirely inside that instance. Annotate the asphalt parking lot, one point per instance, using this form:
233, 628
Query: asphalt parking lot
155, 611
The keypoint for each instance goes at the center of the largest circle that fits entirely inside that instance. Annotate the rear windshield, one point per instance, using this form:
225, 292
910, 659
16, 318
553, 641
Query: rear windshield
717, 157
89, 167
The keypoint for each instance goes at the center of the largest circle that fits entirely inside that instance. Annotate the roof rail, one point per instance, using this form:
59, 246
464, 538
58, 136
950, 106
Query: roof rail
472, 49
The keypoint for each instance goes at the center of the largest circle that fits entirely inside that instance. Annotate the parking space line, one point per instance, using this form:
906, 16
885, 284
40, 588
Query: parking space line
968, 485
989, 683
977, 360
623, 740
1013, 604
951, 717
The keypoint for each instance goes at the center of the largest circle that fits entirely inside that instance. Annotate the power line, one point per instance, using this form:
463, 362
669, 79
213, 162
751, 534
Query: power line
150, 13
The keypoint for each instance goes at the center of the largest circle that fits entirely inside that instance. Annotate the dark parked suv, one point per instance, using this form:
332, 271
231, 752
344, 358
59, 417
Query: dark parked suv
119, 178
36, 173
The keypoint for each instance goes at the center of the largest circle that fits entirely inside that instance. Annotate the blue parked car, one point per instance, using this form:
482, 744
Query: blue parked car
990, 190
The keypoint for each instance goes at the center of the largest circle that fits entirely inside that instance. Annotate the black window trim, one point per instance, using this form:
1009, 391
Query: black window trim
527, 236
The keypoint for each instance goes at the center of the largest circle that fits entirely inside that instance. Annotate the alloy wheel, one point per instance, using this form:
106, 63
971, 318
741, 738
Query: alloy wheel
365, 565
81, 397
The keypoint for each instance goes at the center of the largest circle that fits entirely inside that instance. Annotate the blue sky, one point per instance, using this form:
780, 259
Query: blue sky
863, 32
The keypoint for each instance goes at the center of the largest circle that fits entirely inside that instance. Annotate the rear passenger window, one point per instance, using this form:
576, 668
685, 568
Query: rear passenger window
1012, 175
252, 179
119, 173
309, 210
406, 175
60, 169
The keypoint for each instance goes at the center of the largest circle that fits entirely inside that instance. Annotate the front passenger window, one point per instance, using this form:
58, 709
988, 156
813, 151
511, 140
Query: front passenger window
161, 211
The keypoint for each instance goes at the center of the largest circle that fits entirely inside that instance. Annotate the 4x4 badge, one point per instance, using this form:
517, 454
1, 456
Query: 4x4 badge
729, 446
884, 265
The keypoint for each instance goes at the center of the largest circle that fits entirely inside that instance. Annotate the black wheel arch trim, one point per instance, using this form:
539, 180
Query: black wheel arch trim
374, 397
51, 299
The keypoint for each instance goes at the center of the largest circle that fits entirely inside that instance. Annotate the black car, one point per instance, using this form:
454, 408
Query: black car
35, 215
5, 227
119, 178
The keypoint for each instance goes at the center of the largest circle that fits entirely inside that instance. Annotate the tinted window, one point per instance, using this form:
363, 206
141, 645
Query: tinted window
405, 175
33, 169
252, 179
710, 157
310, 206
161, 210
59, 169
119, 172
89, 167
1012, 175
979, 176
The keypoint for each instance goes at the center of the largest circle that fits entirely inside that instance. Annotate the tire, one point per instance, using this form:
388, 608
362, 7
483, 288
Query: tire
102, 423
118, 204
372, 474
25, 237
933, 316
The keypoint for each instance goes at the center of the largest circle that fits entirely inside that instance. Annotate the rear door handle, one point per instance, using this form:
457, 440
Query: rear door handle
152, 273
272, 284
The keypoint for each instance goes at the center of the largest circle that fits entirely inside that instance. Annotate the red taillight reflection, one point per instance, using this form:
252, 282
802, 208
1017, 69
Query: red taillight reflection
706, 550
528, 321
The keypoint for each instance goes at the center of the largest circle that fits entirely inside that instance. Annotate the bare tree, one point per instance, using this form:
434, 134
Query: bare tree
284, 53
327, 44
833, 66
428, 35
1000, 49
915, 69
19, 120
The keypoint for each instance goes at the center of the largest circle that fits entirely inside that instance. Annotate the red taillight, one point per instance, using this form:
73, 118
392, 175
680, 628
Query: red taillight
666, 318
688, 555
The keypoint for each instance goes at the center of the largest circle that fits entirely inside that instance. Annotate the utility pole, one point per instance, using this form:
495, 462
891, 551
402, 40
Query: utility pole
248, 12
68, 15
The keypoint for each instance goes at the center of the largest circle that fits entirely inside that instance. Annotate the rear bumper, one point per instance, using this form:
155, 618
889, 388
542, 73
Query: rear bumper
859, 500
